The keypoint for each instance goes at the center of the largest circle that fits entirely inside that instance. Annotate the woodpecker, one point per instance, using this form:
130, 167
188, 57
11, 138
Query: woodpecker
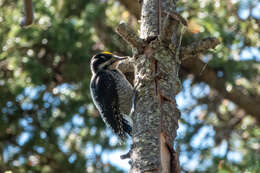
111, 93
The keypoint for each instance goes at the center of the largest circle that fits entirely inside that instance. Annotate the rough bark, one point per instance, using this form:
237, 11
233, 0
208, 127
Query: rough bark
156, 118
156, 115
149, 19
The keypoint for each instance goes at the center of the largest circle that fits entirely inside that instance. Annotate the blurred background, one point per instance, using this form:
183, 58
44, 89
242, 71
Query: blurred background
48, 122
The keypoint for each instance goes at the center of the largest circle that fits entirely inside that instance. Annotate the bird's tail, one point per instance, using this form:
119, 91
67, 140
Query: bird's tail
127, 127
122, 127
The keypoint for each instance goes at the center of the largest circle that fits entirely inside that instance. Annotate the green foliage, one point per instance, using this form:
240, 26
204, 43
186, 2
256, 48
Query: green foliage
48, 122
216, 135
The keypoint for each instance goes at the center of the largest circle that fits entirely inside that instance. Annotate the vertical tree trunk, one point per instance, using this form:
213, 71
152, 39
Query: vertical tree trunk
156, 118
156, 60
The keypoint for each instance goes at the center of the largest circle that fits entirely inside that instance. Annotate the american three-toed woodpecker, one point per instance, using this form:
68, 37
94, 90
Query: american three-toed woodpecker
111, 93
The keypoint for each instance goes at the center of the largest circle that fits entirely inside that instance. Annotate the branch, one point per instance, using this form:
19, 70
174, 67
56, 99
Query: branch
132, 6
249, 103
176, 16
198, 47
191, 63
28, 9
130, 37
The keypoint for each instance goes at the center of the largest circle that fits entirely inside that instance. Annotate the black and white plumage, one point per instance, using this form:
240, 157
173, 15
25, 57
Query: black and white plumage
111, 93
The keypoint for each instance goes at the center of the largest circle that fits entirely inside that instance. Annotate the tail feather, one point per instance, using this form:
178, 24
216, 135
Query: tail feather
127, 127
120, 130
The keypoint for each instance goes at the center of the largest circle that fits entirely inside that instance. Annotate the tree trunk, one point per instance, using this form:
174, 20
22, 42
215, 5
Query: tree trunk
156, 70
156, 118
156, 62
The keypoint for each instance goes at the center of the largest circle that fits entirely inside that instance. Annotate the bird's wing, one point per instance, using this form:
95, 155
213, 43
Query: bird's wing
106, 100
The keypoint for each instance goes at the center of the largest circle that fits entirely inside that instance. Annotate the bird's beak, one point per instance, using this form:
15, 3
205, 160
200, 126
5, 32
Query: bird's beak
118, 58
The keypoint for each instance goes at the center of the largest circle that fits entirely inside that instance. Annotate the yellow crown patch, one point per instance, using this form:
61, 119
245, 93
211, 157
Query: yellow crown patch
109, 53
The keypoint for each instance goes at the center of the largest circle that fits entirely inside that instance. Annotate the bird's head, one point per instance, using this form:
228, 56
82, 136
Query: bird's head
104, 60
